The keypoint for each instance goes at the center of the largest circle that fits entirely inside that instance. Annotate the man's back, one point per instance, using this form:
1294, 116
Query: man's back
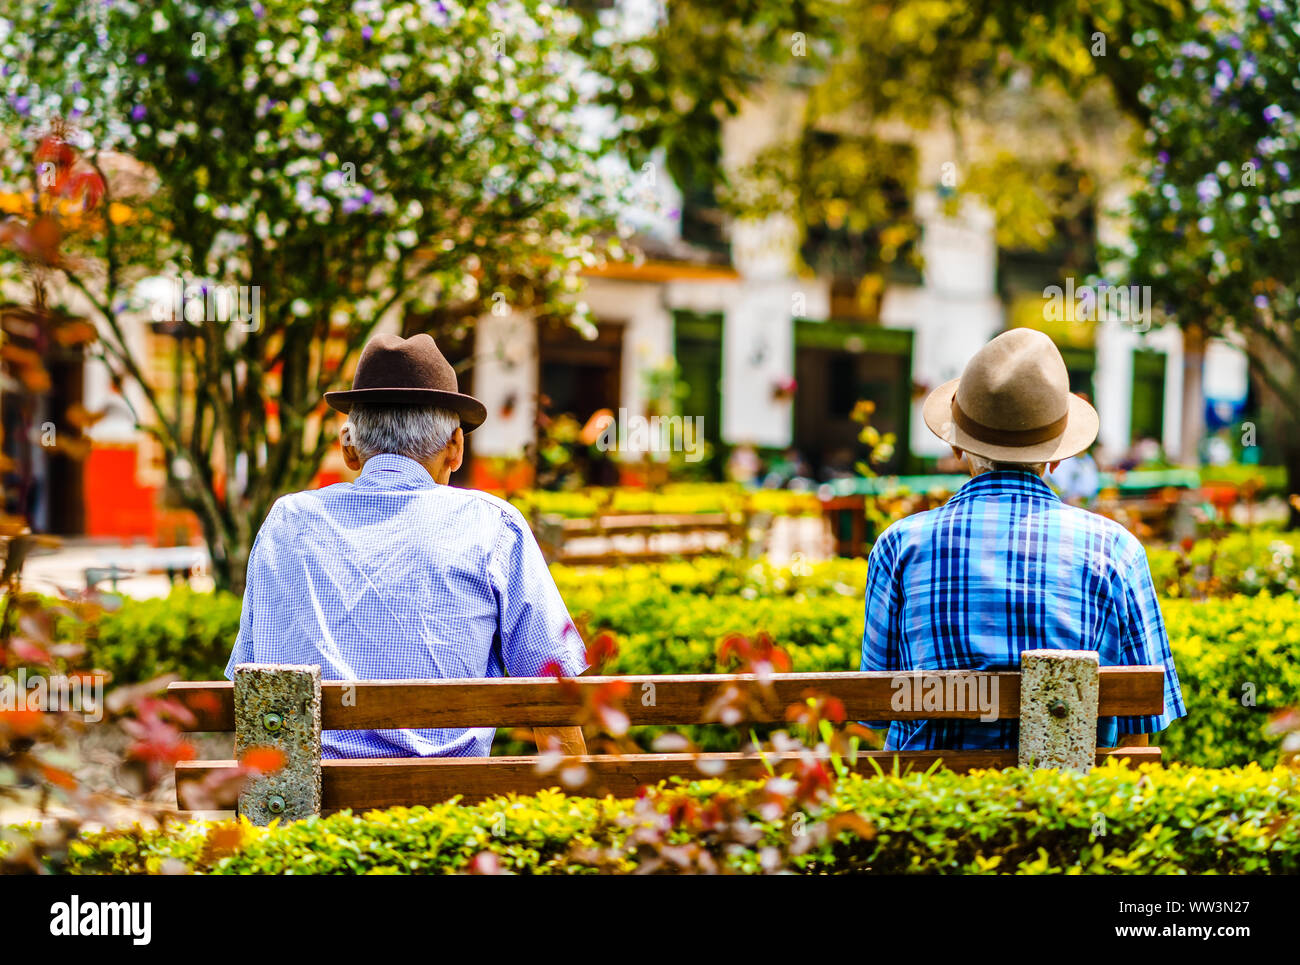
395, 577
1004, 567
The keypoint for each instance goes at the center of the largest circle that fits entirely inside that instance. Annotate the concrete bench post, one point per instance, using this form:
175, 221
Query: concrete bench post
1058, 709
278, 705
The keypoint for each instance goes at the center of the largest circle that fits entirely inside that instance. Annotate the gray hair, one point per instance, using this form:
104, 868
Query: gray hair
979, 464
418, 432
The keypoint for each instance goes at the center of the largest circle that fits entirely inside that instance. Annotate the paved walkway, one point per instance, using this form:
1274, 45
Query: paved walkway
64, 567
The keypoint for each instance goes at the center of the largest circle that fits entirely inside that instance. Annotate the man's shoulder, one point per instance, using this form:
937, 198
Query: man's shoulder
481, 500
310, 498
898, 533
1114, 536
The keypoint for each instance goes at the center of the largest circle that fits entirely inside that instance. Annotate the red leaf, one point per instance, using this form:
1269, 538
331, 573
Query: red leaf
264, 760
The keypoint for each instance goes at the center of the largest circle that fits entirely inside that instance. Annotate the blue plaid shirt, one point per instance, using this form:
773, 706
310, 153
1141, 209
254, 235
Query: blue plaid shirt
396, 577
1003, 567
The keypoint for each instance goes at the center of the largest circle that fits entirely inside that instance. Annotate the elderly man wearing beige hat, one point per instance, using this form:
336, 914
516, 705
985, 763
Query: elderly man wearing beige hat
1004, 566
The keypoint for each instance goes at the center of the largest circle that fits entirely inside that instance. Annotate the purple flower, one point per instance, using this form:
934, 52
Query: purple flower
367, 196
1163, 157
1283, 170
138, 112
1272, 113
22, 105
352, 204
192, 76
142, 58
1266, 14
367, 32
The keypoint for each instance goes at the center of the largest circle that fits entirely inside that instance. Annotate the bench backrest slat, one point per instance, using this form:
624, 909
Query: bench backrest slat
667, 699
361, 784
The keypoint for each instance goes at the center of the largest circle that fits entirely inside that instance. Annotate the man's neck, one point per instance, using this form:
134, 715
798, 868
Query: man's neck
439, 467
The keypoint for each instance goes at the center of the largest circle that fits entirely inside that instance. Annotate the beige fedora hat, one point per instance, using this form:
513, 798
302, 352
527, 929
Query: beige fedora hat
1013, 403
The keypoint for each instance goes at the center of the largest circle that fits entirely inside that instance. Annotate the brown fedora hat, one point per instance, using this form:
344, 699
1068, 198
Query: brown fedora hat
408, 371
1013, 403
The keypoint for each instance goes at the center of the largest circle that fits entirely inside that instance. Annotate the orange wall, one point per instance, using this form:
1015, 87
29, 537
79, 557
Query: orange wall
117, 505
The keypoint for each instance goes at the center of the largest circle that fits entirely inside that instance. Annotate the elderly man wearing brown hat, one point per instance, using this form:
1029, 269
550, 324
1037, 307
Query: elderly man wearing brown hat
399, 575
1004, 566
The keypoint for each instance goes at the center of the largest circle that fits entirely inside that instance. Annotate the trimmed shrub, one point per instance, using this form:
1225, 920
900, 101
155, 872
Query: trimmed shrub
1238, 658
672, 499
186, 633
1239, 662
1113, 821
1244, 562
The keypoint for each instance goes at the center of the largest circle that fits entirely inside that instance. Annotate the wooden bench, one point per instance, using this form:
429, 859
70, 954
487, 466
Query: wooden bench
630, 537
128, 562
1058, 697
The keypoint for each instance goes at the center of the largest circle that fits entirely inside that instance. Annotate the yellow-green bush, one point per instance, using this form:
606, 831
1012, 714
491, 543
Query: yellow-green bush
675, 499
1251, 561
1113, 821
1239, 662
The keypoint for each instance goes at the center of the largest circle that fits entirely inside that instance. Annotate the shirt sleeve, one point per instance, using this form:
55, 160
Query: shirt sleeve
534, 626
1144, 641
881, 638
243, 649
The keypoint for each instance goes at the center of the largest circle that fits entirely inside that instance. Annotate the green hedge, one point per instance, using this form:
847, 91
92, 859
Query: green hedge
187, 633
1239, 662
669, 619
1113, 821
1225, 650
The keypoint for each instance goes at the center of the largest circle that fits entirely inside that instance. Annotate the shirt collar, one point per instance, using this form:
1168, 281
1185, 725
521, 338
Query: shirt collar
1006, 482
387, 470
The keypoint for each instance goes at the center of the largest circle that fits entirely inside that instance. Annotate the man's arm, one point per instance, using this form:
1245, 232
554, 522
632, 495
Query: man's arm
1144, 641
537, 636
243, 651
881, 637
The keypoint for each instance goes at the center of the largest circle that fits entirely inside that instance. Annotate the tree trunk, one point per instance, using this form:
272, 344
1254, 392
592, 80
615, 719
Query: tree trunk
1193, 426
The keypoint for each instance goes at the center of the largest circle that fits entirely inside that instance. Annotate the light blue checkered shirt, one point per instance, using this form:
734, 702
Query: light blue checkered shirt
396, 577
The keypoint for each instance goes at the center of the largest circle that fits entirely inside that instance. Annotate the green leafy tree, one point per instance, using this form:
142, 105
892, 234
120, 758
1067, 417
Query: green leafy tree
1215, 221
332, 164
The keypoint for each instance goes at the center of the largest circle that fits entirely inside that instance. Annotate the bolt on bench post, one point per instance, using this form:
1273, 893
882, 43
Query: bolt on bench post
1058, 709
278, 706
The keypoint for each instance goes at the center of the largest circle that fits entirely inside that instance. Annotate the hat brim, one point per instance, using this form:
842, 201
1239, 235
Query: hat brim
1081, 427
472, 412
